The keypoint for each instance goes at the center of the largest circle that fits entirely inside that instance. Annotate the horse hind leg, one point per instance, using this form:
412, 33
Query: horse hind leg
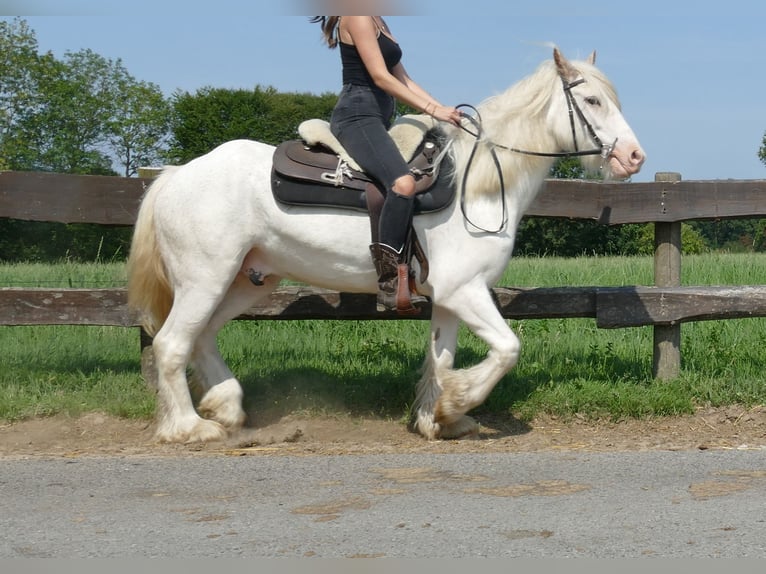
173, 345
222, 394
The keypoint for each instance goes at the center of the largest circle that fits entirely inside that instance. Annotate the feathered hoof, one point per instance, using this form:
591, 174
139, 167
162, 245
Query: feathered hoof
231, 416
465, 428
223, 404
198, 430
449, 410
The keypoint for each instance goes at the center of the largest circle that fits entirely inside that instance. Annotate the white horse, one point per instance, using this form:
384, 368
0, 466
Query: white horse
203, 224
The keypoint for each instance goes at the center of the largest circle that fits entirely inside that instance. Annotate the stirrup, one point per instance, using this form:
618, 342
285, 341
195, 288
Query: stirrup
405, 301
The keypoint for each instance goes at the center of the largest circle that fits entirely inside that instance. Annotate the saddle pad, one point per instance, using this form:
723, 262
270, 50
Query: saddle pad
294, 191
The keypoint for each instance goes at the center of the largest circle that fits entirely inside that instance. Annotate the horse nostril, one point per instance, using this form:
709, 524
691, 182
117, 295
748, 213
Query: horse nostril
637, 157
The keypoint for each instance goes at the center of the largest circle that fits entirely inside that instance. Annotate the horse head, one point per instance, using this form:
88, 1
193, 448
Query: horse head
587, 119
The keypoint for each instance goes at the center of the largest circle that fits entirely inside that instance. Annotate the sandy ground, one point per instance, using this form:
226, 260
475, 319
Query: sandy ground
100, 435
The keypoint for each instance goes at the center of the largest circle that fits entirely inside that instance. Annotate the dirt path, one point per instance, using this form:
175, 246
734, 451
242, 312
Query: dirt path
97, 434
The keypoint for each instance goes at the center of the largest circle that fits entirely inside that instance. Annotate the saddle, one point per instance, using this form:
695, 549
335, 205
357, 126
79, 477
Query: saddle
316, 171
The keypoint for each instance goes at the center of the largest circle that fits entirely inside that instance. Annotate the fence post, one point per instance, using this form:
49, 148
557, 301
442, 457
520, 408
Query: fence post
666, 361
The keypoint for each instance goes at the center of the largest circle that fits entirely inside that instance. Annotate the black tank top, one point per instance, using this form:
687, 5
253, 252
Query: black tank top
354, 71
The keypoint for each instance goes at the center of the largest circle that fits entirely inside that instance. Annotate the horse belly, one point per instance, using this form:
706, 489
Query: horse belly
335, 262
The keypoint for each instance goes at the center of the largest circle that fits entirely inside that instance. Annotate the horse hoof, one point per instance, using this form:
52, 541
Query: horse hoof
425, 426
223, 404
448, 412
202, 430
465, 428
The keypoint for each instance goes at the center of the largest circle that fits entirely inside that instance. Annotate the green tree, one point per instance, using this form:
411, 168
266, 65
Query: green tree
76, 103
212, 116
80, 114
762, 151
19, 63
139, 127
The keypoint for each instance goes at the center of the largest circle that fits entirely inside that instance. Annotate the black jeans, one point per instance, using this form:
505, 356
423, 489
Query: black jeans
360, 121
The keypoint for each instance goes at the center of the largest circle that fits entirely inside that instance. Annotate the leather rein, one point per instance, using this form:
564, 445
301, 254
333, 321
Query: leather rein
604, 150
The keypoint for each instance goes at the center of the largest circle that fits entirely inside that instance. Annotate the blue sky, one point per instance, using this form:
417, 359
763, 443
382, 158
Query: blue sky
692, 80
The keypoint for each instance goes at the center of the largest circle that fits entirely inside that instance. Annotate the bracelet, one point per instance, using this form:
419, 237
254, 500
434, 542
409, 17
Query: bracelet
426, 108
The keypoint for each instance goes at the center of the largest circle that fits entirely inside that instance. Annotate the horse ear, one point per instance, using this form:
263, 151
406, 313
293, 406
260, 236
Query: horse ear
592, 57
566, 70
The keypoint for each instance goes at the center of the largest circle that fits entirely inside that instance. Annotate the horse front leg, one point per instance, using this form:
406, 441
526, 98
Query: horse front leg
440, 357
464, 389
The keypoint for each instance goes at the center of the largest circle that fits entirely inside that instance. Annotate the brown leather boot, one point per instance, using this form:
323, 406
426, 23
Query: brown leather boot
394, 282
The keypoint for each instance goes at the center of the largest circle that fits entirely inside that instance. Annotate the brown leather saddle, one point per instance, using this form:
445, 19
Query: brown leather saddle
315, 176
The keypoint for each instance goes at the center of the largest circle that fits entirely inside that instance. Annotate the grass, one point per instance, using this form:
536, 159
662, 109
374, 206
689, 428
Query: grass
567, 366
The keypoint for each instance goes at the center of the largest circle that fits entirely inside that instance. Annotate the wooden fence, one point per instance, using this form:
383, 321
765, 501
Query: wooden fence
666, 202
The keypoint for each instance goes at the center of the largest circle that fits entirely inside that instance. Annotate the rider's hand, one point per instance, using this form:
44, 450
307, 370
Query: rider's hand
446, 114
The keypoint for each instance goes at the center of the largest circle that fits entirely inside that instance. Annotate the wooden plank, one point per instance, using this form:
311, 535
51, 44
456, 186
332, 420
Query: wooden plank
613, 203
64, 307
636, 306
314, 303
514, 303
21, 306
546, 302
39, 196
612, 307
721, 199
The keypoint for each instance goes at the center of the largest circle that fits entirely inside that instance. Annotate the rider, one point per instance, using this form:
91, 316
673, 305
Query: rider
373, 78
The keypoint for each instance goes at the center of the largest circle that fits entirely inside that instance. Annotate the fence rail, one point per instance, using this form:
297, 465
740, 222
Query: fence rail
37, 196
666, 202
611, 307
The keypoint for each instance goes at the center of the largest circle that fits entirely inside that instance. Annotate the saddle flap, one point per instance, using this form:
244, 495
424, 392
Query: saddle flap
299, 161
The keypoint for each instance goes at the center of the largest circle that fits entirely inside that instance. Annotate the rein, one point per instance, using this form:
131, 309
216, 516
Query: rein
573, 108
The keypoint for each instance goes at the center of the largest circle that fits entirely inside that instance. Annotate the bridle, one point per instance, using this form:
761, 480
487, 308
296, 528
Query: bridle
604, 150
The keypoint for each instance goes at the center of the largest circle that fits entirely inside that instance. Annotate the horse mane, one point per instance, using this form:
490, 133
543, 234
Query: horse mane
516, 118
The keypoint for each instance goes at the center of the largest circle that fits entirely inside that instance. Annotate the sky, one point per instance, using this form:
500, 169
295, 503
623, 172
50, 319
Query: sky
691, 76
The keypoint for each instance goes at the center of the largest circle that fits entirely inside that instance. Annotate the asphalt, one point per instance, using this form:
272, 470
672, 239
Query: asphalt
560, 504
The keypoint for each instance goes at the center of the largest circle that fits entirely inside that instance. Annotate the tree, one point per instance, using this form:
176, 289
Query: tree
762, 151
76, 103
212, 116
138, 130
85, 114
18, 85
79, 114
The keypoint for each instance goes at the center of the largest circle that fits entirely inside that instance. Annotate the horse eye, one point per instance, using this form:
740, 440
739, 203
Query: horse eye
592, 101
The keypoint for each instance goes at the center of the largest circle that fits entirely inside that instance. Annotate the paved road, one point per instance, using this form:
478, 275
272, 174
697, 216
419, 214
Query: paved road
680, 504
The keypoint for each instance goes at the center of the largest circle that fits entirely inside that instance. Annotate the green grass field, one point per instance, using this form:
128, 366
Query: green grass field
567, 366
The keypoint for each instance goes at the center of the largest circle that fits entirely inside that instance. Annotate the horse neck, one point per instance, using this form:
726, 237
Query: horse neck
514, 119
522, 174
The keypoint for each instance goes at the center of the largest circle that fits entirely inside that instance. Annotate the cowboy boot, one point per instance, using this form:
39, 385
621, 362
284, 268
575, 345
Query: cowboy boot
394, 282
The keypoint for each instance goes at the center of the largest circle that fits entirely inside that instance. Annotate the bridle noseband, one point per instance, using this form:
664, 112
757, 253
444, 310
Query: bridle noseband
604, 150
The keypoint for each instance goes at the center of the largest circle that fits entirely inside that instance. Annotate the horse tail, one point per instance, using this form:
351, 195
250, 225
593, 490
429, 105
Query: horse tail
149, 290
